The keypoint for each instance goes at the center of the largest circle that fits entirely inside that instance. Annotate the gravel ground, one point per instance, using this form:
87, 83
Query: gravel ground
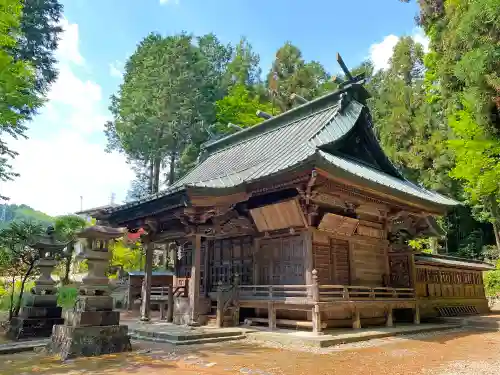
456, 352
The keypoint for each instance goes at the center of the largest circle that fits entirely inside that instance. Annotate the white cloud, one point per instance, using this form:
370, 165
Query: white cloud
59, 163
72, 91
420, 37
380, 53
56, 171
116, 69
163, 2
68, 49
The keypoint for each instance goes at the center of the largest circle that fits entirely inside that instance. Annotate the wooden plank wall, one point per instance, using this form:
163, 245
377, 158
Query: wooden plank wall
349, 260
443, 282
331, 260
368, 262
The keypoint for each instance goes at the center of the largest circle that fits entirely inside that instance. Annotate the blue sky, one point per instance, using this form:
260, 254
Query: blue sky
64, 157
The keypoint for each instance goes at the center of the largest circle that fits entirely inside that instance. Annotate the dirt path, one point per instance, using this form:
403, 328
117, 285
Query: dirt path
452, 353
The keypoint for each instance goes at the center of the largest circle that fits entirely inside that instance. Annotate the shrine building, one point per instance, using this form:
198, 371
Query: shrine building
303, 221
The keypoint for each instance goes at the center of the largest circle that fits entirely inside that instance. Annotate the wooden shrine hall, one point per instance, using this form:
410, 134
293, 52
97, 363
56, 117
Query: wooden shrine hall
302, 221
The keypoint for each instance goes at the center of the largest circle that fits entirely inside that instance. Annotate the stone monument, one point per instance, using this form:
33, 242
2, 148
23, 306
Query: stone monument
92, 328
40, 312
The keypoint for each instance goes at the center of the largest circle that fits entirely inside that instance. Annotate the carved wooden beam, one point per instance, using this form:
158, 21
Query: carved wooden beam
151, 225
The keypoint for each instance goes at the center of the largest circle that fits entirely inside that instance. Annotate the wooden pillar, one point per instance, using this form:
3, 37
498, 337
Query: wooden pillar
206, 265
219, 317
316, 320
256, 263
146, 284
194, 288
309, 260
162, 310
130, 297
170, 302
356, 319
389, 320
416, 317
271, 314
413, 271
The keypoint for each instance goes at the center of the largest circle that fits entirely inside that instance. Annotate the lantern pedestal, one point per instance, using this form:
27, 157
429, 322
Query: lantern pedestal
39, 312
92, 328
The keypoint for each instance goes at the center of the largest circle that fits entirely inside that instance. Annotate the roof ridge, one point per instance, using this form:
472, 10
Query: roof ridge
324, 99
281, 126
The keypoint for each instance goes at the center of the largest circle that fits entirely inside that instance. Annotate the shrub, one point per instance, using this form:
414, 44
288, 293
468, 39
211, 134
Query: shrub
67, 296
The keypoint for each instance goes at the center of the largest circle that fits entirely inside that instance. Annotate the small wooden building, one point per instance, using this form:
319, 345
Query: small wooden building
303, 220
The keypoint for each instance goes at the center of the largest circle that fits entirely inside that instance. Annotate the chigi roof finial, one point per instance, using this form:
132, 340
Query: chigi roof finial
349, 77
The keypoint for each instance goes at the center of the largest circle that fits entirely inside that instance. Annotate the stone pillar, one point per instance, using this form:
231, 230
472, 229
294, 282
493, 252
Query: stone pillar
40, 312
146, 284
194, 287
92, 327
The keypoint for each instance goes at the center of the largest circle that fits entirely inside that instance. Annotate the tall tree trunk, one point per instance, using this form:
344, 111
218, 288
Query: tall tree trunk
67, 264
496, 230
171, 172
21, 291
495, 222
11, 306
151, 177
156, 175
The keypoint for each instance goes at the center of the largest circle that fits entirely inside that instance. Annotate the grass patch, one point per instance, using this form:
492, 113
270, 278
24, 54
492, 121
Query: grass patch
66, 294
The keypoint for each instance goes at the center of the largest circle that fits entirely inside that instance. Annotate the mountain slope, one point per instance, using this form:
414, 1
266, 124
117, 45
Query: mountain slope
14, 212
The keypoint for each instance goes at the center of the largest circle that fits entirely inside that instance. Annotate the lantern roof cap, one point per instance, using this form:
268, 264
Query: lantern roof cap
101, 232
48, 241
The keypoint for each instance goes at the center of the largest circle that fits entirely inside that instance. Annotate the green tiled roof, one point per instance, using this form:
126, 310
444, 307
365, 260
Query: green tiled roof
446, 260
273, 150
384, 180
303, 134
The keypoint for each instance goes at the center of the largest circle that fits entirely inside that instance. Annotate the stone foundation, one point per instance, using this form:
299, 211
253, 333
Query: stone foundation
92, 328
36, 318
71, 342
24, 328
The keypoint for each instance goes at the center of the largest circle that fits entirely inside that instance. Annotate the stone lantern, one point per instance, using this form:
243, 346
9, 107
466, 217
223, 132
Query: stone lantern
40, 312
92, 327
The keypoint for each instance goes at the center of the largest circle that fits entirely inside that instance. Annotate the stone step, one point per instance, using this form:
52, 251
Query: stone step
206, 340
23, 346
172, 336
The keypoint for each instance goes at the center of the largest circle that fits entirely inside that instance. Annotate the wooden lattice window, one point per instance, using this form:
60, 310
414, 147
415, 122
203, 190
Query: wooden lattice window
230, 256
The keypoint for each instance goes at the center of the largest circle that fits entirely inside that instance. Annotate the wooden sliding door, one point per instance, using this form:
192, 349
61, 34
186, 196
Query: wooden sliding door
281, 261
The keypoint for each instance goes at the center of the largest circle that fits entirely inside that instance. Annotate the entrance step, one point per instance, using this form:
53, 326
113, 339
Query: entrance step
208, 340
178, 337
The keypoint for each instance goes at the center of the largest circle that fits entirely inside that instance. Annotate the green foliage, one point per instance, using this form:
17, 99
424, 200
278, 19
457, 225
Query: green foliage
463, 77
240, 106
130, 257
162, 105
290, 74
66, 296
66, 228
17, 257
6, 291
40, 31
421, 244
408, 126
492, 282
17, 83
407, 107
